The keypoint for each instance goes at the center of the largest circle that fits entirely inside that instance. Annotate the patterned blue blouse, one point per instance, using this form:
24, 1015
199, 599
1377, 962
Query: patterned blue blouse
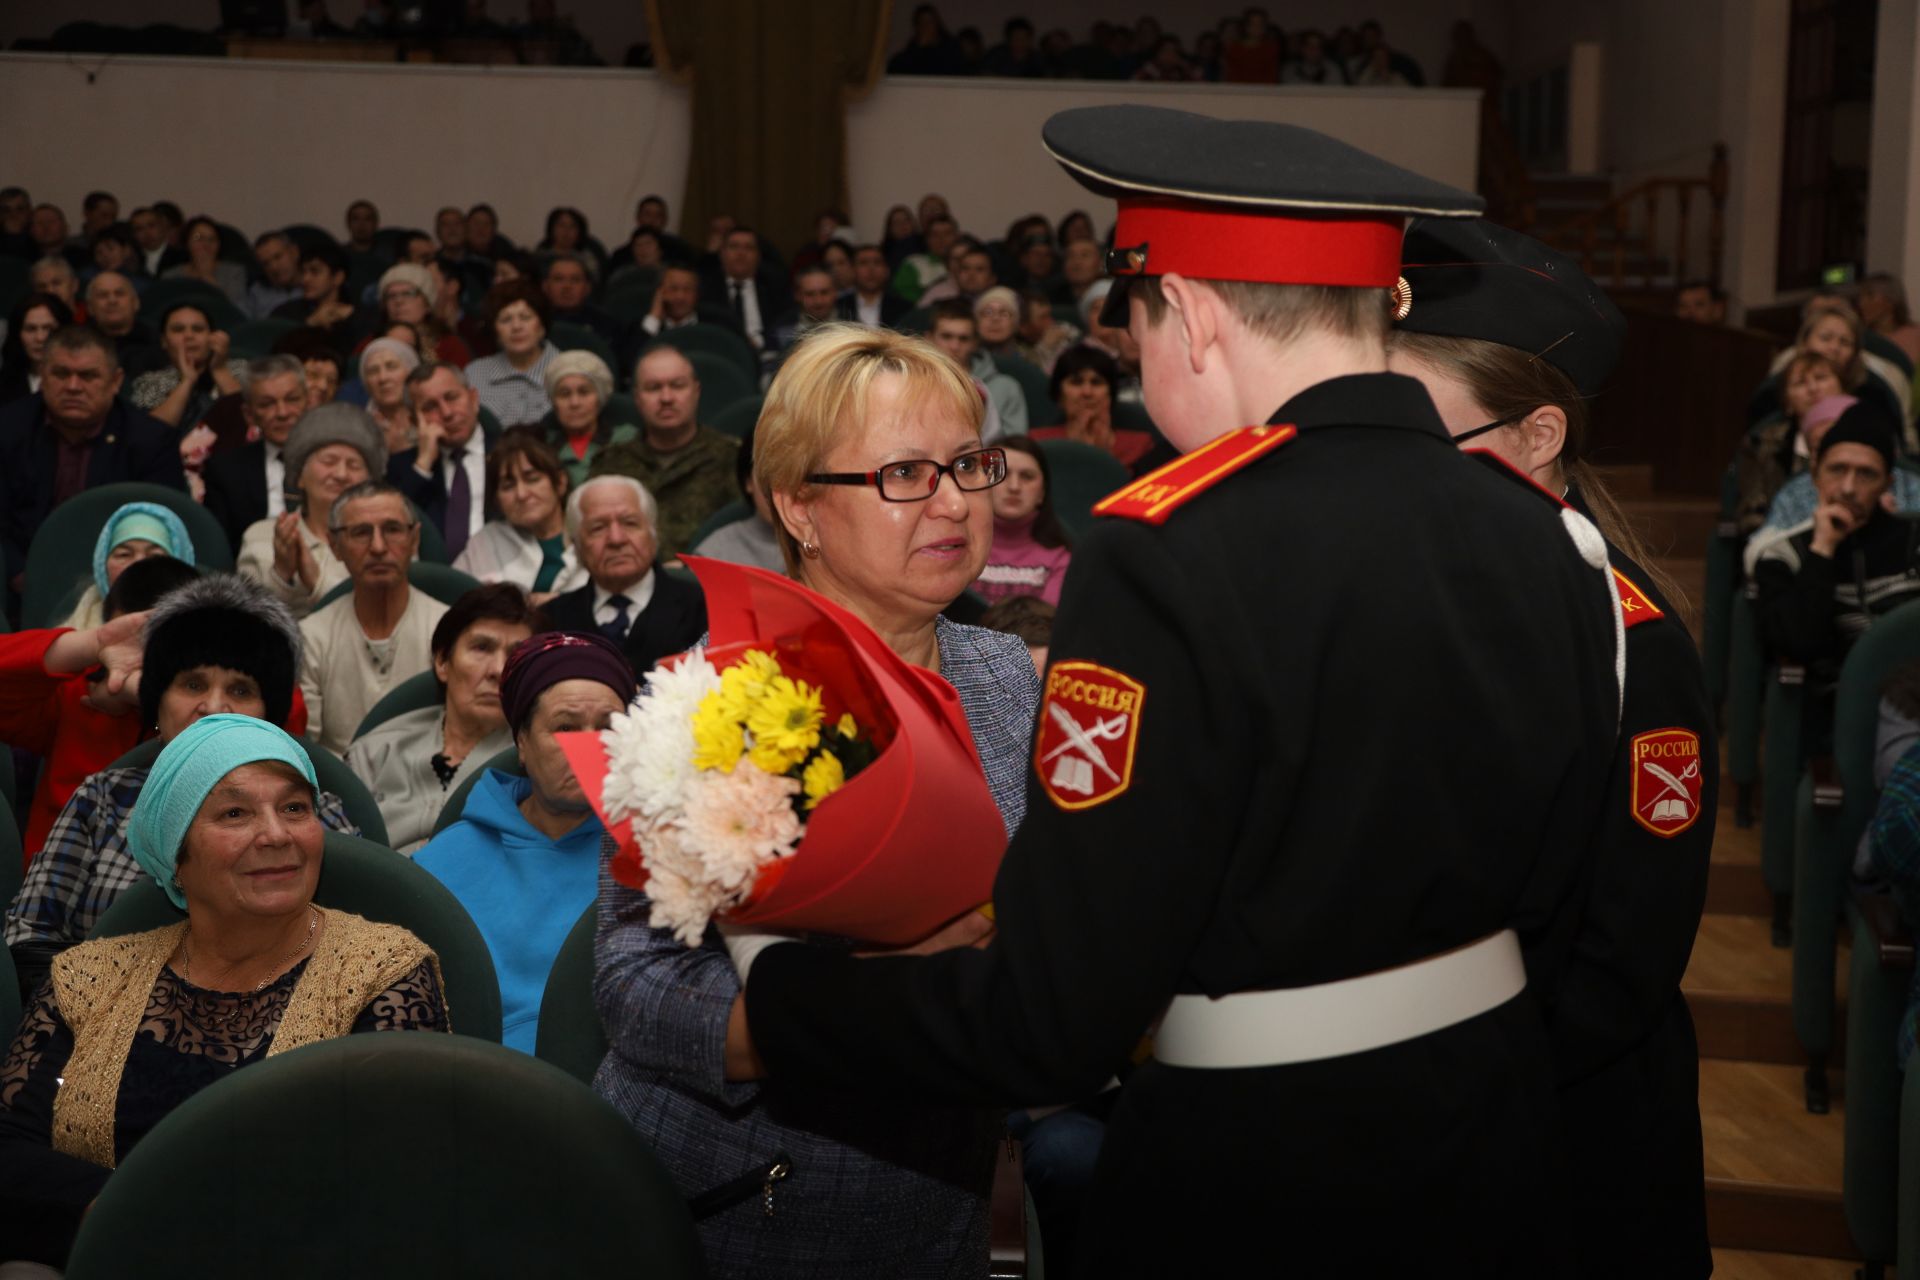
876, 1189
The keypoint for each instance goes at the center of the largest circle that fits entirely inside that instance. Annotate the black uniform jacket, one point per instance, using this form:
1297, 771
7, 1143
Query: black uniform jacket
1378, 710
1623, 1041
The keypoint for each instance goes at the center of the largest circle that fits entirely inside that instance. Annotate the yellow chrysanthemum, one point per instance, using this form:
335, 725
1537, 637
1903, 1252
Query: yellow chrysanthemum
846, 726
822, 778
745, 683
787, 717
719, 740
773, 759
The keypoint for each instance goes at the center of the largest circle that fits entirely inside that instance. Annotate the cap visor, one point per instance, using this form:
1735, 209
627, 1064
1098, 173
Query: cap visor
1114, 312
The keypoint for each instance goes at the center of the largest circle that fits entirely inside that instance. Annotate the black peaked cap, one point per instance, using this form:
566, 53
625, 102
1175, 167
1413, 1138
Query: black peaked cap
1472, 279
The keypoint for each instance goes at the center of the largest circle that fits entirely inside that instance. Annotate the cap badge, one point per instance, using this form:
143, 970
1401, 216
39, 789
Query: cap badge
1402, 299
1127, 262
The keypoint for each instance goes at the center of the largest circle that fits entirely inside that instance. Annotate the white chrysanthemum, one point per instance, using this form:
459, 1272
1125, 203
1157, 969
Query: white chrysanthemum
650, 746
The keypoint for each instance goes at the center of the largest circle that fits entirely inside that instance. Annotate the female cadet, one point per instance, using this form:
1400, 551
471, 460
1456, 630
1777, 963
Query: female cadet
1511, 341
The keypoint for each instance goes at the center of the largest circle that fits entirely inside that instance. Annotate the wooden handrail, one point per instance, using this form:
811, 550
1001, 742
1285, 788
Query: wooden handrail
1582, 233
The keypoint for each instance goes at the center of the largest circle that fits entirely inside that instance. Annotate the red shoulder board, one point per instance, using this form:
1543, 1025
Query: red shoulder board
1159, 493
1511, 472
1636, 606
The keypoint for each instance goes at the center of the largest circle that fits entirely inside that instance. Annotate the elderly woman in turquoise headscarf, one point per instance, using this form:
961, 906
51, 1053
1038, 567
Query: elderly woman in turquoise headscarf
128, 1028
137, 531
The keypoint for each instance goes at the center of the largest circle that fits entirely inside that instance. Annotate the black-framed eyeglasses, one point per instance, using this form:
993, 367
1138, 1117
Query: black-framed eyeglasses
1465, 436
360, 535
916, 479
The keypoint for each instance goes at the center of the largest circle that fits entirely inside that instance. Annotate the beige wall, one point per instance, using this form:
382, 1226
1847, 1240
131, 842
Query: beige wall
263, 143
267, 143
1893, 242
978, 143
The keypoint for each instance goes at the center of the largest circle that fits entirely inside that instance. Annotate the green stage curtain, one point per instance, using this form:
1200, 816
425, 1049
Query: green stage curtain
770, 85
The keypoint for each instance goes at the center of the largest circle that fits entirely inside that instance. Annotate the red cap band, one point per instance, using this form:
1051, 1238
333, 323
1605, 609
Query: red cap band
1214, 242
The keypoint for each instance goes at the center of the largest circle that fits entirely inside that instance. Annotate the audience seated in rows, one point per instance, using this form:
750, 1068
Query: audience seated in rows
413, 762
150, 1019
1083, 384
385, 365
378, 634
957, 334
750, 539
33, 320
527, 544
687, 468
580, 427
329, 451
1821, 585
1883, 309
76, 435
512, 383
444, 474
201, 239
248, 484
212, 645
646, 612
136, 531
524, 859
1030, 550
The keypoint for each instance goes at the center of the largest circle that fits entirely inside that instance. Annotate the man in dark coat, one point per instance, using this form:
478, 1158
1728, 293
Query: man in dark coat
647, 612
75, 435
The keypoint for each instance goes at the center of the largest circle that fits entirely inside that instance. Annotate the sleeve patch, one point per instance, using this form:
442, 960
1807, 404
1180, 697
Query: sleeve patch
1666, 780
1636, 606
1159, 493
1089, 725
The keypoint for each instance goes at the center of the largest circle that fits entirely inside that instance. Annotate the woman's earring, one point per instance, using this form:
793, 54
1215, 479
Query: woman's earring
810, 551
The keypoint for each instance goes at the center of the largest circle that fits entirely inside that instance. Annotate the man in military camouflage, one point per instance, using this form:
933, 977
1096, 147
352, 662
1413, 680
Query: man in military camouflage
688, 468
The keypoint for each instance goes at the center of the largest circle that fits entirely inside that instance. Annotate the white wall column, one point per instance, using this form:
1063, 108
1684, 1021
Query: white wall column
1893, 193
1753, 108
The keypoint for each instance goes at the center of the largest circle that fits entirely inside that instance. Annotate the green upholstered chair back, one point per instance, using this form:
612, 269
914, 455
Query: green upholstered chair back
503, 1164
1876, 1000
571, 1036
1082, 475
738, 418
61, 556
329, 768
255, 338
917, 321
722, 384
577, 337
220, 309
411, 694
373, 881
443, 582
1131, 415
12, 856
717, 340
507, 761
1041, 410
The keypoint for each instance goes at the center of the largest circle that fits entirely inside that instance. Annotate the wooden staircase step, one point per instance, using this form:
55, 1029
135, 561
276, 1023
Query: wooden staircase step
1757, 1029
1627, 480
1774, 1171
1737, 888
1742, 1264
1735, 955
1674, 526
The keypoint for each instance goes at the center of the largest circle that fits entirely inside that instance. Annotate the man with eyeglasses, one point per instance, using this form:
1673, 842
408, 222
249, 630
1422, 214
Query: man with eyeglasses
381, 631
76, 434
610, 522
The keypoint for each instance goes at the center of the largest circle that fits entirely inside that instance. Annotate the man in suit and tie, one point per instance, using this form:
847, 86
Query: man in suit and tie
871, 301
249, 483
753, 297
444, 475
74, 435
649, 614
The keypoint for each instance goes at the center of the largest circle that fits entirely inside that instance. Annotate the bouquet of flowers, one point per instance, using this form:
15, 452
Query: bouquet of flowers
794, 774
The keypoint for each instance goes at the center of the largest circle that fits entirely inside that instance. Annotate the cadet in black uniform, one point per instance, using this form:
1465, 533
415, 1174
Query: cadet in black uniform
1327, 724
1511, 339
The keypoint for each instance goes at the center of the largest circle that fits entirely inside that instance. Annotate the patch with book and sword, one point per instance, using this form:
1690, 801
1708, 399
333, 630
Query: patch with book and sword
1666, 780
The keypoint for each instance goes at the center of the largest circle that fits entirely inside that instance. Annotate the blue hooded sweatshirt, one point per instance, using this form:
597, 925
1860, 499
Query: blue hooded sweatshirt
524, 890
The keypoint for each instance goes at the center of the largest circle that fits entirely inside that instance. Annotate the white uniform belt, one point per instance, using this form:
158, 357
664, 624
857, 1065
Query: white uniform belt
1303, 1024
